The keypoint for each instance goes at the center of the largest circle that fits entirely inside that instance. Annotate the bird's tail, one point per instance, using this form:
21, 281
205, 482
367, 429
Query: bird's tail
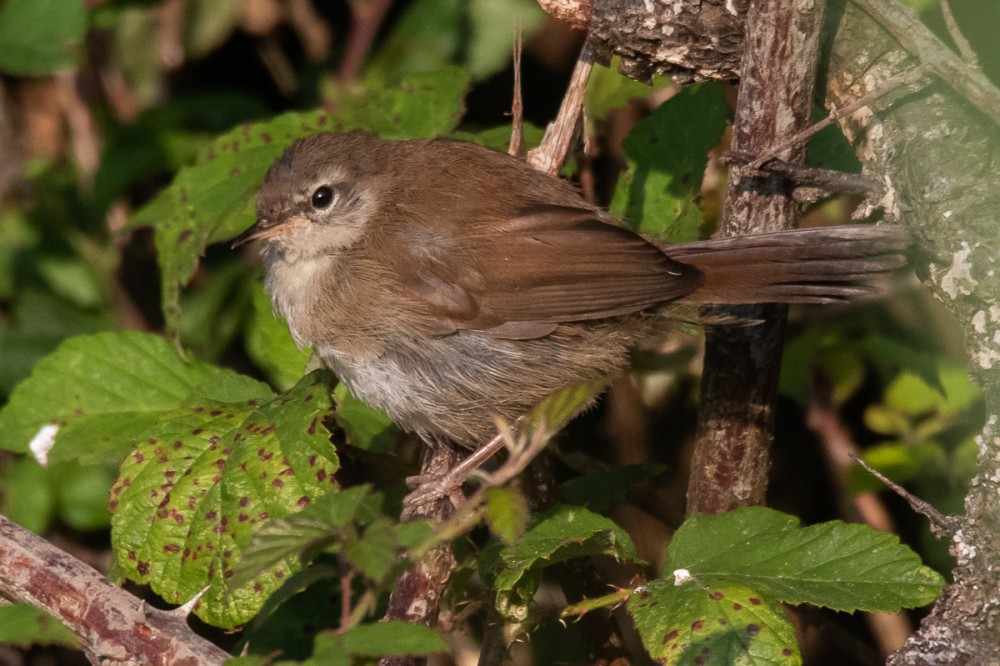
819, 265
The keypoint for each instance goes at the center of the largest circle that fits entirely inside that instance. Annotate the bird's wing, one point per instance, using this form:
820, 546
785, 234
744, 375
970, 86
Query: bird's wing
521, 276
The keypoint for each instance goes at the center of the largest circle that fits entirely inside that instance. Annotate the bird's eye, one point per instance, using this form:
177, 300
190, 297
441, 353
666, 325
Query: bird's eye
323, 197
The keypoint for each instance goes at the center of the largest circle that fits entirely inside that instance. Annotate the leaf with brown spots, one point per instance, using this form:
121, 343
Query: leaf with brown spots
206, 476
695, 624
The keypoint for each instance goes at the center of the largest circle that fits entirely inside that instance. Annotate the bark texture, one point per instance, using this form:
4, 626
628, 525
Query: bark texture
730, 465
114, 627
937, 157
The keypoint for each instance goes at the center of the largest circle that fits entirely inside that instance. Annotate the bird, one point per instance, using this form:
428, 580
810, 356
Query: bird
449, 284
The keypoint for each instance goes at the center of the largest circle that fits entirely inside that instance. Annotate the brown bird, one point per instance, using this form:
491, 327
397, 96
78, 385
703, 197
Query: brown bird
447, 283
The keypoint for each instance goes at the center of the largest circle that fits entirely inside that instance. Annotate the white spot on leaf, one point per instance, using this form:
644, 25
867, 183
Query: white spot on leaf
42, 443
682, 576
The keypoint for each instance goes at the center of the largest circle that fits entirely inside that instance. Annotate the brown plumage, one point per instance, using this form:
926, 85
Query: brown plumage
446, 283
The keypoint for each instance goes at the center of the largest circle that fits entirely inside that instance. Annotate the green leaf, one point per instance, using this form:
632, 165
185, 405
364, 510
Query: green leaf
507, 513
28, 497
498, 138
692, 624
952, 393
562, 534
425, 38
307, 602
208, 24
189, 498
39, 37
102, 392
24, 625
423, 105
82, 496
667, 154
833, 564
376, 553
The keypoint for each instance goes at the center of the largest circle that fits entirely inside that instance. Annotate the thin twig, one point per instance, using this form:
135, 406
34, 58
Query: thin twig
941, 524
516, 146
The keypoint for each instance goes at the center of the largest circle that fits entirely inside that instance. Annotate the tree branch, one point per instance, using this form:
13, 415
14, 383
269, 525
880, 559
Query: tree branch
739, 388
113, 626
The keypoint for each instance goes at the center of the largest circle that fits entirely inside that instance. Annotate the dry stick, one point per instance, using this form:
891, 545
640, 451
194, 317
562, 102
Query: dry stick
311, 27
551, 154
114, 627
828, 181
739, 387
516, 146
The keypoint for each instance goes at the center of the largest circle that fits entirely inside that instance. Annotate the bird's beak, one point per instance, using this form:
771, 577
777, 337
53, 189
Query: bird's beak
266, 228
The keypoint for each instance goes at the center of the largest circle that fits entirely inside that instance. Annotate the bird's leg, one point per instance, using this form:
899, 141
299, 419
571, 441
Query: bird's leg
431, 488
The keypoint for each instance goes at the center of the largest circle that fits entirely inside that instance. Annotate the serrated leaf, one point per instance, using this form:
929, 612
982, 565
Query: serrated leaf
189, 497
562, 534
507, 513
712, 626
833, 564
103, 392
667, 154
39, 37
376, 552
